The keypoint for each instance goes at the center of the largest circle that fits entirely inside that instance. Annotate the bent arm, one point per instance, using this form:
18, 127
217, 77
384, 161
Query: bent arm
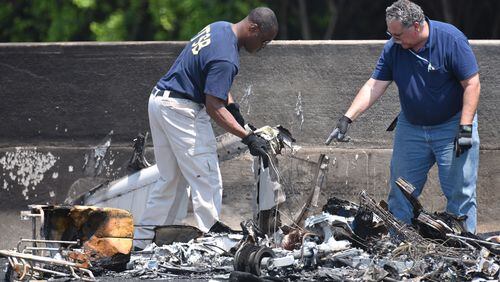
366, 97
216, 109
472, 89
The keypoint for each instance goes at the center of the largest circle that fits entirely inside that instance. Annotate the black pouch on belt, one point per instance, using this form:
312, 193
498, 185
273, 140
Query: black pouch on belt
393, 124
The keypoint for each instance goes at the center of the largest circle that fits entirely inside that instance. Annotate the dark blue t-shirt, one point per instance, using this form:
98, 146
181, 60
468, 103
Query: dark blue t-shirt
207, 65
429, 95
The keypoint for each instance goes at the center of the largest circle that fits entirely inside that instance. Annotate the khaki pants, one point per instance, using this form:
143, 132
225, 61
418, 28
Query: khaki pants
186, 154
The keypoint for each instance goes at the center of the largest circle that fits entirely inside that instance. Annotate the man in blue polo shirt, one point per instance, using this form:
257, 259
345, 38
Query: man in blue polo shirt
437, 77
195, 89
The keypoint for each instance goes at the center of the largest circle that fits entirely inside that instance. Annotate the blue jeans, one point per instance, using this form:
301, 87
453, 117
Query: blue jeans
416, 149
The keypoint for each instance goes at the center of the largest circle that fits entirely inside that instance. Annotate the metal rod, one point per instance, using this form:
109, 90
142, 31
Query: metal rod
45, 241
41, 249
472, 239
50, 241
33, 226
50, 271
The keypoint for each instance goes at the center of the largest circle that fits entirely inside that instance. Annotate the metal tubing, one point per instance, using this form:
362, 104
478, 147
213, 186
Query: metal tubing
12, 255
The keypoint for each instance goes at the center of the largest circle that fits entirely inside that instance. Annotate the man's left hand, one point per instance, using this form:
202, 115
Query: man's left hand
463, 141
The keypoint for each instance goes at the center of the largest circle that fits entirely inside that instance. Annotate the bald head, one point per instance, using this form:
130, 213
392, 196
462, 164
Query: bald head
257, 29
265, 19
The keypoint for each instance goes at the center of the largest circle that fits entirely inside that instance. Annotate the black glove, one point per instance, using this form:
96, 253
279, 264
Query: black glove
234, 109
463, 141
257, 145
339, 131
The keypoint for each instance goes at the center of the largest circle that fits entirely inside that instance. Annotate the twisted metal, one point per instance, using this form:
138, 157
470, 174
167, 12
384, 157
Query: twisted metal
413, 244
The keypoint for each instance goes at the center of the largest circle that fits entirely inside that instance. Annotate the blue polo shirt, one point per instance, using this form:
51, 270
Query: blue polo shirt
207, 65
429, 95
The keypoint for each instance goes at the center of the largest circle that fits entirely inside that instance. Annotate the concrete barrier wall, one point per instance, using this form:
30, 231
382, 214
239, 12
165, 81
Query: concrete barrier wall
59, 100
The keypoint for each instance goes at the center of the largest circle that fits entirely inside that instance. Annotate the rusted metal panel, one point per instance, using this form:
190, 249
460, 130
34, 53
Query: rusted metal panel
106, 234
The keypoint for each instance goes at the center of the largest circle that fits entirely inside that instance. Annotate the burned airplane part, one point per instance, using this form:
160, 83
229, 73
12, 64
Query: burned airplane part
138, 160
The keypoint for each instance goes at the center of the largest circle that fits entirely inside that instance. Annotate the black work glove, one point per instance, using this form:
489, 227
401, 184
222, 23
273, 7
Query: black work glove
234, 109
257, 145
339, 132
463, 141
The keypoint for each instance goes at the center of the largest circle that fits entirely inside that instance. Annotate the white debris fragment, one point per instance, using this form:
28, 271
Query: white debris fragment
70, 168
52, 194
55, 175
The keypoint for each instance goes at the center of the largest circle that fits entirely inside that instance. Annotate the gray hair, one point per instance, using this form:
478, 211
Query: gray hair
264, 18
406, 12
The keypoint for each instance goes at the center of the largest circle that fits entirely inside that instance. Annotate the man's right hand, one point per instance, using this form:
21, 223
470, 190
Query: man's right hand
257, 145
339, 132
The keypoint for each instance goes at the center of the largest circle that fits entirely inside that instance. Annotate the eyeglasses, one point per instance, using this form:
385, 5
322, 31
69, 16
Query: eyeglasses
393, 35
264, 43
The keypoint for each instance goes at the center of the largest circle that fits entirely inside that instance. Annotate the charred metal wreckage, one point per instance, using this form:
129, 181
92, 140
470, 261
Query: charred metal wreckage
344, 242
74, 242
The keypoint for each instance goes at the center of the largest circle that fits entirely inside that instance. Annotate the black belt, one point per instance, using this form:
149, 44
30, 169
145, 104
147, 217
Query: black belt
172, 94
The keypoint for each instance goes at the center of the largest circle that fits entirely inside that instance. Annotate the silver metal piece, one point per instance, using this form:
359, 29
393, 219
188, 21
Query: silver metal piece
271, 263
472, 239
320, 180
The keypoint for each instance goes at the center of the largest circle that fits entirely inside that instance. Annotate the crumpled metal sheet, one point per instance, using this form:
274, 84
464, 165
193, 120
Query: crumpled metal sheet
202, 257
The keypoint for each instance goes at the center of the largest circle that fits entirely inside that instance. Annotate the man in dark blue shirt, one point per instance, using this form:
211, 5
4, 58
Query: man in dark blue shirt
437, 77
195, 89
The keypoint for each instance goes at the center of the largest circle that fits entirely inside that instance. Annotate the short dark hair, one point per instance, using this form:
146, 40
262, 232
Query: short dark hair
264, 18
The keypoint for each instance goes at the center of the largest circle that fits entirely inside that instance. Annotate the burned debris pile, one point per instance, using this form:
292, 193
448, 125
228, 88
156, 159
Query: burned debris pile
344, 241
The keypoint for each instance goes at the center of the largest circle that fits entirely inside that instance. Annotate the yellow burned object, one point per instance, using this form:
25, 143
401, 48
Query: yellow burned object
103, 222
106, 231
